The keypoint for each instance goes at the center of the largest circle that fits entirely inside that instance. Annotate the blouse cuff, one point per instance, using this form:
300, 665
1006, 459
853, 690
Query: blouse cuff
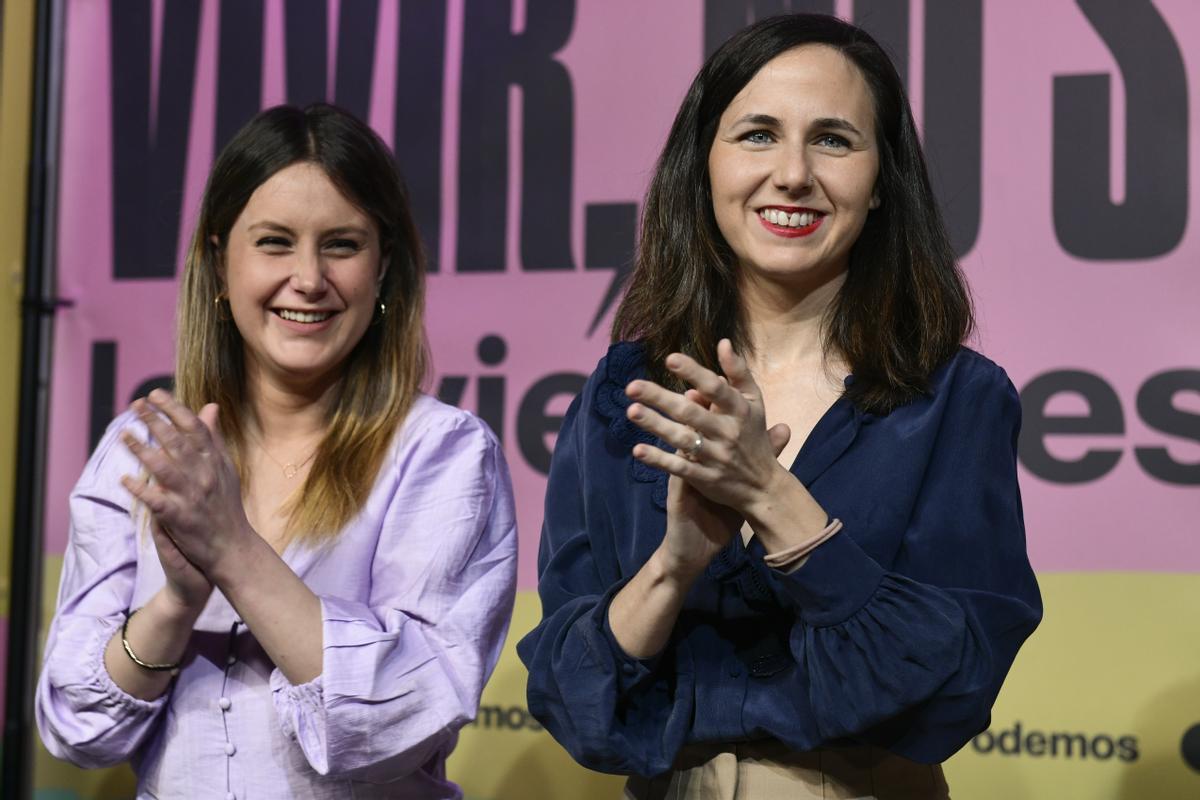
837, 580
117, 697
630, 671
309, 697
343, 632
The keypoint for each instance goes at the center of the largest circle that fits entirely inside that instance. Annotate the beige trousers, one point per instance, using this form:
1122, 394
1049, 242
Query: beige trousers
770, 771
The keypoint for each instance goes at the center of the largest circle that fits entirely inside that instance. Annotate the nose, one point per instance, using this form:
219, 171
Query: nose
793, 173
308, 272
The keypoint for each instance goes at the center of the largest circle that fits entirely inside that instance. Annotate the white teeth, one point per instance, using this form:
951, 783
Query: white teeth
793, 220
305, 316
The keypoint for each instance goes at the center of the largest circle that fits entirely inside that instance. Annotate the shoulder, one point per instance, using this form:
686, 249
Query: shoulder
968, 389
430, 423
623, 362
603, 398
972, 390
969, 374
604, 392
111, 458
442, 450
604, 435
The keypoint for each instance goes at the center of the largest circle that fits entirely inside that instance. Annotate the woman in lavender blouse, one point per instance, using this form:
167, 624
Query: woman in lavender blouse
321, 558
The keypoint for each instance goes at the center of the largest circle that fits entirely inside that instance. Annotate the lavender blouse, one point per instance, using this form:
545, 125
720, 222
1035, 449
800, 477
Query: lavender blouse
416, 594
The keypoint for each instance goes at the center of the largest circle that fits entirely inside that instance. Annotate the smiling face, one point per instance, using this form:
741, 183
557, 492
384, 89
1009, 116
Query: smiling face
793, 166
302, 269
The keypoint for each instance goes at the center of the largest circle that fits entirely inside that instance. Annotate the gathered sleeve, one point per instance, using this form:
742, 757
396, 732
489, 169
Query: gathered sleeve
403, 669
912, 657
611, 712
82, 715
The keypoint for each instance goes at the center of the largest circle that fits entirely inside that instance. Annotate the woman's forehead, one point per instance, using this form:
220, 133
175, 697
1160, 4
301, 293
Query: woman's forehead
812, 80
302, 194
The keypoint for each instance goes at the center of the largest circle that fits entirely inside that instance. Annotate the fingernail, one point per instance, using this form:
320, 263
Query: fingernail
674, 362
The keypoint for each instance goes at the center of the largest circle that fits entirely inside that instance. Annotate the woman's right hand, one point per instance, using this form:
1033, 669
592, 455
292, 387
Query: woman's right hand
698, 528
186, 586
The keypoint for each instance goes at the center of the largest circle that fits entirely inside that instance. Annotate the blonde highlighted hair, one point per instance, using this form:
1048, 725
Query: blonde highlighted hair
382, 375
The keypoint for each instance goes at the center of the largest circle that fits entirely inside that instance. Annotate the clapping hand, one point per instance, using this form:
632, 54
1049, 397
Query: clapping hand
725, 460
191, 489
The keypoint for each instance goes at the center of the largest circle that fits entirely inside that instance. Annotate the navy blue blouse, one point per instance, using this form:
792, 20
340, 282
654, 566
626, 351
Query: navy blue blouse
897, 632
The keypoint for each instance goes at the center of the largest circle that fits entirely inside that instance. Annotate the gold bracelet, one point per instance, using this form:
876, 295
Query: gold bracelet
129, 650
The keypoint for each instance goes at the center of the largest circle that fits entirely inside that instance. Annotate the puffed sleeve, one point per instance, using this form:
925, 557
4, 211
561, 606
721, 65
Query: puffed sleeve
611, 712
403, 671
912, 657
81, 714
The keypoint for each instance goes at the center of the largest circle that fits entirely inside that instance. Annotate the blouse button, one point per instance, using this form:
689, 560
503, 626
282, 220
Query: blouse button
224, 703
628, 669
231, 659
230, 749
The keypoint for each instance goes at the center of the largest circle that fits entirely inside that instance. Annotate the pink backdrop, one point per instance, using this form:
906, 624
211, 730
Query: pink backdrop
629, 63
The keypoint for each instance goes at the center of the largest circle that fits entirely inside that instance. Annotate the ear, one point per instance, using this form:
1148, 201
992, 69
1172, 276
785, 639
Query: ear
383, 268
874, 204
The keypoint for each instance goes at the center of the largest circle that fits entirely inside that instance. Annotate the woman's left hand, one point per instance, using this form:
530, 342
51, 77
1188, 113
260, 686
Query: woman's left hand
736, 463
195, 493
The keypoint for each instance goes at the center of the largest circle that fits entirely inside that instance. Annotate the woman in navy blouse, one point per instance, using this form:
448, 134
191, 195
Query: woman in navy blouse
783, 547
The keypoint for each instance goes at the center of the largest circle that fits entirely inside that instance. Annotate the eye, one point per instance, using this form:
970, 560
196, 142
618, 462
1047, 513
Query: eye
832, 140
343, 247
759, 136
273, 244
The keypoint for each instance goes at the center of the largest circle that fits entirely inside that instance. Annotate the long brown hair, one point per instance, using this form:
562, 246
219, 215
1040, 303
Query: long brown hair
385, 370
904, 307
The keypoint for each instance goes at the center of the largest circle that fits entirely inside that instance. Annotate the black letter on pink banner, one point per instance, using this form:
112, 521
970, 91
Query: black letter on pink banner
420, 73
1151, 219
494, 58
150, 155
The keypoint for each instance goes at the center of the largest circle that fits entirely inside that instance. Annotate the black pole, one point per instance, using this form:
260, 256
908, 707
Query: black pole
37, 310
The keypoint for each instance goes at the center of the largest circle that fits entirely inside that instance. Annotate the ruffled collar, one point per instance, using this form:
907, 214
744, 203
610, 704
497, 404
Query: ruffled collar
625, 362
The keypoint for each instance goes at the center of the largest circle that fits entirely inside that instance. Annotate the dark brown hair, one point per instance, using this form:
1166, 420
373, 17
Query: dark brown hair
383, 373
904, 307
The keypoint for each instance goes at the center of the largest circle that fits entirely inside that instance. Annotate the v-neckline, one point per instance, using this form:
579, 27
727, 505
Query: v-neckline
833, 434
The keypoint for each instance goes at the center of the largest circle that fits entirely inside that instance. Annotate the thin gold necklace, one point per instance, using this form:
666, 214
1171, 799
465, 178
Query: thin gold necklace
290, 469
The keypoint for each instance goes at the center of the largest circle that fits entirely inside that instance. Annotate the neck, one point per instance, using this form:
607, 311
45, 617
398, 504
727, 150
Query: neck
786, 324
284, 412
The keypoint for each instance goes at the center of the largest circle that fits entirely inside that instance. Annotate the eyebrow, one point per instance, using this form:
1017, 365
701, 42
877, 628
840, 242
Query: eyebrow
837, 124
758, 119
280, 227
828, 123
